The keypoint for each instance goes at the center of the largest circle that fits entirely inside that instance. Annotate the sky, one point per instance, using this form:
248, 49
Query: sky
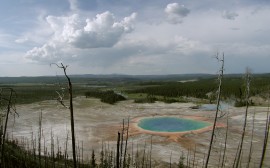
136, 37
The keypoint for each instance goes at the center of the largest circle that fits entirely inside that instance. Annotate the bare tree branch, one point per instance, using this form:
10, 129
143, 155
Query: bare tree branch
60, 99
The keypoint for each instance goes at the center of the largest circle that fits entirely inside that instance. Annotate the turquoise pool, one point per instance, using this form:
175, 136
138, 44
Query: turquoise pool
171, 124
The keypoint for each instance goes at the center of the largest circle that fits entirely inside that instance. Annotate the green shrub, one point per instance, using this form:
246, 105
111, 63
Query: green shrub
105, 96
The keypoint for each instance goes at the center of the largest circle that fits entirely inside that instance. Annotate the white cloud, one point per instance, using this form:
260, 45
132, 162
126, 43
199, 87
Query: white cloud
176, 9
75, 33
48, 53
229, 15
102, 31
176, 12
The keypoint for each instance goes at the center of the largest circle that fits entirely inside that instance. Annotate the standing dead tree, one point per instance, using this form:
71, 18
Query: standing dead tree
125, 152
225, 142
122, 140
7, 100
60, 99
218, 107
266, 134
251, 140
118, 151
39, 137
247, 83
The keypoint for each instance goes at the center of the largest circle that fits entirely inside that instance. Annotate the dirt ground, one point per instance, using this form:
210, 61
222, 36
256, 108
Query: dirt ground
97, 123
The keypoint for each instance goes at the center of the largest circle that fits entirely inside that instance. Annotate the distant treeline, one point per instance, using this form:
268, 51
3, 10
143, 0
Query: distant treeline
205, 88
233, 87
30, 93
105, 96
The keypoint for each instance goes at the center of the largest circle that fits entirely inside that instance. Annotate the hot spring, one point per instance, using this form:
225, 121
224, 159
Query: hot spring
171, 124
213, 107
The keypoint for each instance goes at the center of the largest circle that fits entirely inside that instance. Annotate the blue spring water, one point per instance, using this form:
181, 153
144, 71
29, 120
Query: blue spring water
171, 124
213, 107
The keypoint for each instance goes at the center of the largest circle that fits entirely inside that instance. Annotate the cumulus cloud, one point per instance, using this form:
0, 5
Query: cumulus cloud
176, 12
103, 31
229, 15
46, 53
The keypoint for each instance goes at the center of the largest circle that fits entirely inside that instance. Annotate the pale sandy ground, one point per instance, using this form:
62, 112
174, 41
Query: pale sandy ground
97, 122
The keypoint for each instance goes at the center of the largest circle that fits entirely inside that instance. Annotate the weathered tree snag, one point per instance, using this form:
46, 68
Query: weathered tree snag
217, 109
70, 107
266, 135
125, 152
248, 79
118, 152
225, 142
10, 108
251, 140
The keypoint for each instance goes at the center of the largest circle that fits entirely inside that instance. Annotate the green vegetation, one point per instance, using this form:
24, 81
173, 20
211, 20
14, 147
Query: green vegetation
177, 89
29, 93
233, 88
141, 90
147, 99
105, 96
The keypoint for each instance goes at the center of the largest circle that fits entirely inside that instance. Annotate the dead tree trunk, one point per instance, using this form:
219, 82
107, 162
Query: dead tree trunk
10, 107
125, 152
70, 107
248, 79
118, 152
251, 140
225, 143
39, 138
266, 135
217, 109
122, 139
